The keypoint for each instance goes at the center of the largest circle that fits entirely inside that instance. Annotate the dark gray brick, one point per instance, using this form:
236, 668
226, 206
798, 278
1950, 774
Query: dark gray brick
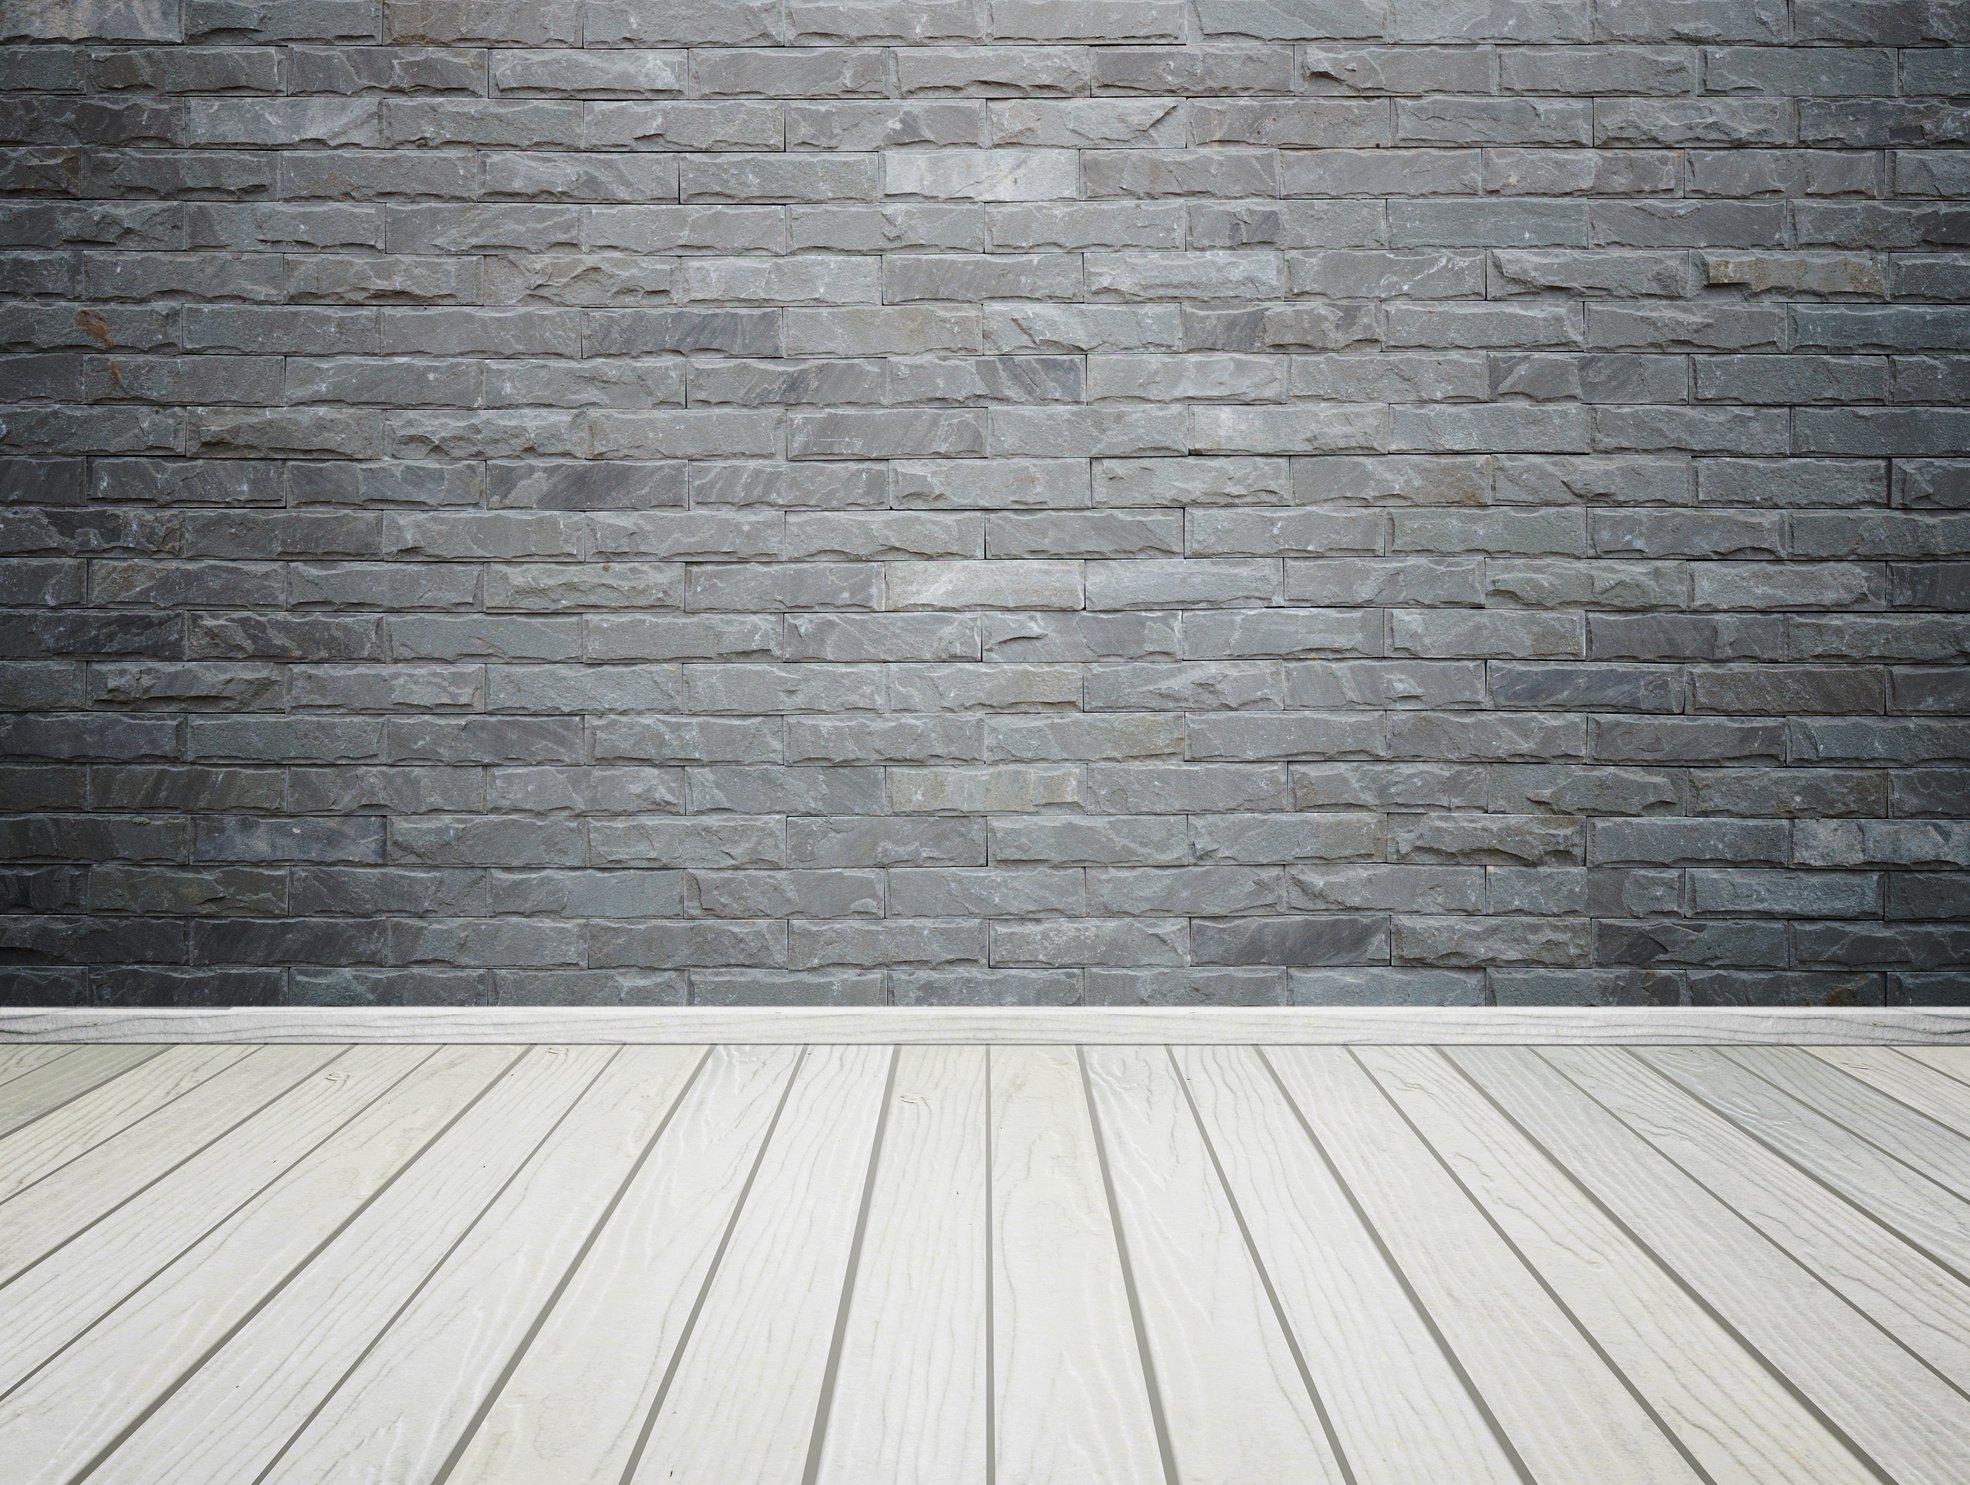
1285, 503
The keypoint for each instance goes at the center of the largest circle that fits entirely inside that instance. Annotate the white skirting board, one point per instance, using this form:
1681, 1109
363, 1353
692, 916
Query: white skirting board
1004, 1026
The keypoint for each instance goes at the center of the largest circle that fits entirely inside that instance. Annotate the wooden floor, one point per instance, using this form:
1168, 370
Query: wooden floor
1010, 1265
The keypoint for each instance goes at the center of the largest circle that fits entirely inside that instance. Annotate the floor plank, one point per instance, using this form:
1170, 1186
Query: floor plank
64, 1202
854, 1263
1913, 1202
742, 1402
1570, 1418
1237, 1406
573, 1408
1399, 1407
1951, 1061
1739, 1423
1072, 1404
1895, 1411
1906, 1135
26, 1056
1901, 1289
123, 1373
39, 1090
51, 1302
231, 1418
910, 1403
39, 1149
1922, 1087
400, 1411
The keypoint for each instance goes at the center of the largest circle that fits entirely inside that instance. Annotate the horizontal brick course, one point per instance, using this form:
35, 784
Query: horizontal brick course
760, 502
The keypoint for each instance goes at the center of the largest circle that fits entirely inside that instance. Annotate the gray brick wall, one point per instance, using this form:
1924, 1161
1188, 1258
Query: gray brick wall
1041, 501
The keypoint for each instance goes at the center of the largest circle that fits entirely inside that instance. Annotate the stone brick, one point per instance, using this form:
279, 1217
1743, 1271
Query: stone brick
1392, 986
1278, 838
1090, 841
994, 71
1505, 840
1489, 942
1299, 502
1210, 985
1331, 938
980, 175
1093, 942
1000, 892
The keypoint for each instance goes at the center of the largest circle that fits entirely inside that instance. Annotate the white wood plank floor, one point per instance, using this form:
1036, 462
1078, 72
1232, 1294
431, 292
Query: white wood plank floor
980, 1264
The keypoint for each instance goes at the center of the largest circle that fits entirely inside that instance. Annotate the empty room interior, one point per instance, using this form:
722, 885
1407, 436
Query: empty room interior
985, 742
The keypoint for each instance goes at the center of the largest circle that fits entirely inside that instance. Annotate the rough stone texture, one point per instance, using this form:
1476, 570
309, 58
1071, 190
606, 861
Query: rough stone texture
1261, 501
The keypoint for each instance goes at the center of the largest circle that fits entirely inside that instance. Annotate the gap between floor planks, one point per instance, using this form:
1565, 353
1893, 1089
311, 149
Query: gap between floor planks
1132, 1157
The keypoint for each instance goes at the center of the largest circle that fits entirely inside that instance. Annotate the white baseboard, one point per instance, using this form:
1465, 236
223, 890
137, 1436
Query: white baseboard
1332, 1026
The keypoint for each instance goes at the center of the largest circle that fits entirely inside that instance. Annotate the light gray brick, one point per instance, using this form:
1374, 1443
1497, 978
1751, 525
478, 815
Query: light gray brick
1005, 174
880, 125
1103, 942
1315, 501
1291, 20
983, 585
1005, 71
991, 893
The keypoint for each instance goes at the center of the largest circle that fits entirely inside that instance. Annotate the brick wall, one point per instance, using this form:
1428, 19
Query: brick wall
985, 501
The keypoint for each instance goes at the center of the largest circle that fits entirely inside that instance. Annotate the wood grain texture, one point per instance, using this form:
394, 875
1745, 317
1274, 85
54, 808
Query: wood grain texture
54, 1300
1951, 1061
25, 1057
397, 1414
39, 1149
1906, 1292
947, 1264
43, 1089
1896, 1412
1400, 1409
574, 1407
1924, 1088
121, 1374
63, 1202
1567, 1414
233, 1416
1236, 1406
1737, 1420
1918, 1203
1488, 1026
911, 1398
741, 1405
1906, 1135
1072, 1402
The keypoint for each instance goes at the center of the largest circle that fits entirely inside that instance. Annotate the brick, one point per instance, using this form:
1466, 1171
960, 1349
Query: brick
1663, 842
980, 175
987, 585
1491, 942
896, 941
1331, 938
1100, 942
1397, 985
1090, 841
1499, 840
1286, 838
1339, 502
996, 893
994, 71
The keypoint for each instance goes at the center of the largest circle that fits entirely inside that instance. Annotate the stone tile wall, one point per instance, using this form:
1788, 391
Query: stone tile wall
1034, 501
